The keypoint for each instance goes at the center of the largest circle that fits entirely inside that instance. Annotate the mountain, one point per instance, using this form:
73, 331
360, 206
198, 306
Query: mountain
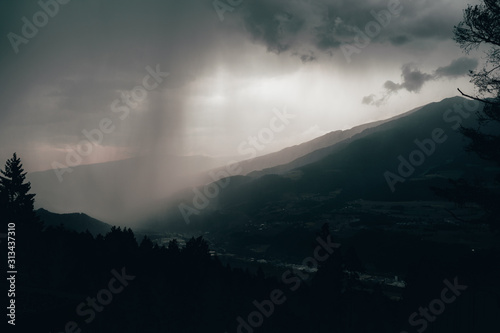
398, 160
270, 163
114, 191
78, 222
323, 146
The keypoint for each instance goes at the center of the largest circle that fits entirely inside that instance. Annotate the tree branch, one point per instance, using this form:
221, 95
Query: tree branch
475, 98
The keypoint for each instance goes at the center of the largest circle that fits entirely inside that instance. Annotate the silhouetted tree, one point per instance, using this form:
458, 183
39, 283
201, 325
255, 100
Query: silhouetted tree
173, 247
481, 26
198, 248
146, 245
16, 204
260, 273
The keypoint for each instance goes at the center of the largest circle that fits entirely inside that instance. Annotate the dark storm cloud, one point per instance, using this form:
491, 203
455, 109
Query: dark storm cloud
284, 25
399, 40
272, 23
306, 57
325, 24
458, 67
414, 79
370, 99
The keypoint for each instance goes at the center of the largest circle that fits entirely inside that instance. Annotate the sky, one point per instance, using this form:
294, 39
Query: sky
106, 80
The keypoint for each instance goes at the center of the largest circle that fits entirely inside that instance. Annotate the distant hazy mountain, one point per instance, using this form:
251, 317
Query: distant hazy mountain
113, 191
312, 151
78, 222
270, 163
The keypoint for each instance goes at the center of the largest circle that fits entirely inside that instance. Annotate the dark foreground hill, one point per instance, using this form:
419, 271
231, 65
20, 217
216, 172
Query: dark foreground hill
78, 222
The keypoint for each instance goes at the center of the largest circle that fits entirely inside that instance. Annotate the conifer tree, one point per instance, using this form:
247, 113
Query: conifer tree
16, 203
481, 28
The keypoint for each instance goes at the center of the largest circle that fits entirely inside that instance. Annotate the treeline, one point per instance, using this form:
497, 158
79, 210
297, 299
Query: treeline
70, 281
172, 289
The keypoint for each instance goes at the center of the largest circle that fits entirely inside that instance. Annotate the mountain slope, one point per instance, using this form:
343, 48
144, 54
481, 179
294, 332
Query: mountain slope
334, 146
367, 165
373, 165
389, 164
322, 146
